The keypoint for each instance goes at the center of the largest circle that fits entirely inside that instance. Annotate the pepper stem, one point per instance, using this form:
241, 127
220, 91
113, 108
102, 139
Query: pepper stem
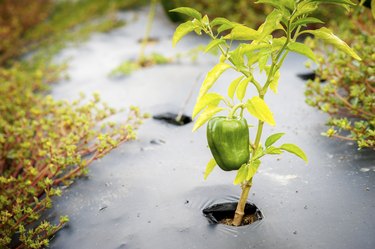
234, 109
239, 214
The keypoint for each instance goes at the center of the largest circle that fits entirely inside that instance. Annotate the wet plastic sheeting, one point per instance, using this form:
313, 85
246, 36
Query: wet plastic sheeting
151, 195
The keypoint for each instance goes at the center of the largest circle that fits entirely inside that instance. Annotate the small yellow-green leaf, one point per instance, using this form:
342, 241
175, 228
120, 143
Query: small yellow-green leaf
339, 2
252, 169
273, 139
259, 152
241, 175
212, 99
259, 109
302, 49
294, 149
224, 27
213, 44
279, 4
304, 8
211, 77
188, 11
271, 24
209, 167
327, 36
241, 32
182, 30
233, 86
241, 89
275, 82
273, 151
220, 21
305, 20
373, 8
264, 55
205, 20
254, 46
206, 115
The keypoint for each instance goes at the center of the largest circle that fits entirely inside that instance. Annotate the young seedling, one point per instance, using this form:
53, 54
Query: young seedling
228, 137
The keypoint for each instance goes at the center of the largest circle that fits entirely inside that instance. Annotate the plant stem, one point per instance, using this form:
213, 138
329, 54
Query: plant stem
239, 214
145, 39
259, 134
235, 108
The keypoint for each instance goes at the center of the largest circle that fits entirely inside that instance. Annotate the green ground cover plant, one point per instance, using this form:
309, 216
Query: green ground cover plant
45, 22
348, 94
46, 144
246, 50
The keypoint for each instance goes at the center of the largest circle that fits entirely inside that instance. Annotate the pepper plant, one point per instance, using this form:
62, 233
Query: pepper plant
228, 136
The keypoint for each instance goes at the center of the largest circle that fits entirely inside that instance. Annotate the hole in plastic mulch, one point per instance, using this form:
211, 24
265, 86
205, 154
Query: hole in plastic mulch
308, 76
171, 118
223, 213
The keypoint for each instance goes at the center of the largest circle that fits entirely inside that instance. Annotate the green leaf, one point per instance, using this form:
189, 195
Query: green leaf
290, 4
373, 8
273, 139
212, 77
275, 81
241, 175
279, 4
252, 169
249, 48
210, 166
327, 36
220, 21
182, 30
212, 99
263, 59
237, 60
339, 2
206, 115
302, 49
241, 89
241, 32
304, 8
224, 27
304, 21
259, 109
188, 11
259, 152
294, 149
273, 151
272, 22
213, 44
233, 86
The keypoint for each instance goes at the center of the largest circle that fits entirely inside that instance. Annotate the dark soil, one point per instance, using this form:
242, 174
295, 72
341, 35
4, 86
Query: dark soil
247, 220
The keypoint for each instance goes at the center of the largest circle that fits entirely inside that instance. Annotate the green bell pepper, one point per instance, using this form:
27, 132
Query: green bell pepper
228, 139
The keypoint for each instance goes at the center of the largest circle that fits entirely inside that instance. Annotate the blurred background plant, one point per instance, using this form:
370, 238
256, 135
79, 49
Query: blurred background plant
45, 144
27, 25
348, 94
241, 11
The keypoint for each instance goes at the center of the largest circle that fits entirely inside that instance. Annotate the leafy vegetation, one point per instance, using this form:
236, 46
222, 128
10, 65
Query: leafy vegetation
348, 95
45, 144
45, 22
259, 50
241, 11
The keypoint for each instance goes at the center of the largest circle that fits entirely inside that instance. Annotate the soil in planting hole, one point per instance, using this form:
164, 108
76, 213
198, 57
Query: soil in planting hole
223, 213
171, 118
